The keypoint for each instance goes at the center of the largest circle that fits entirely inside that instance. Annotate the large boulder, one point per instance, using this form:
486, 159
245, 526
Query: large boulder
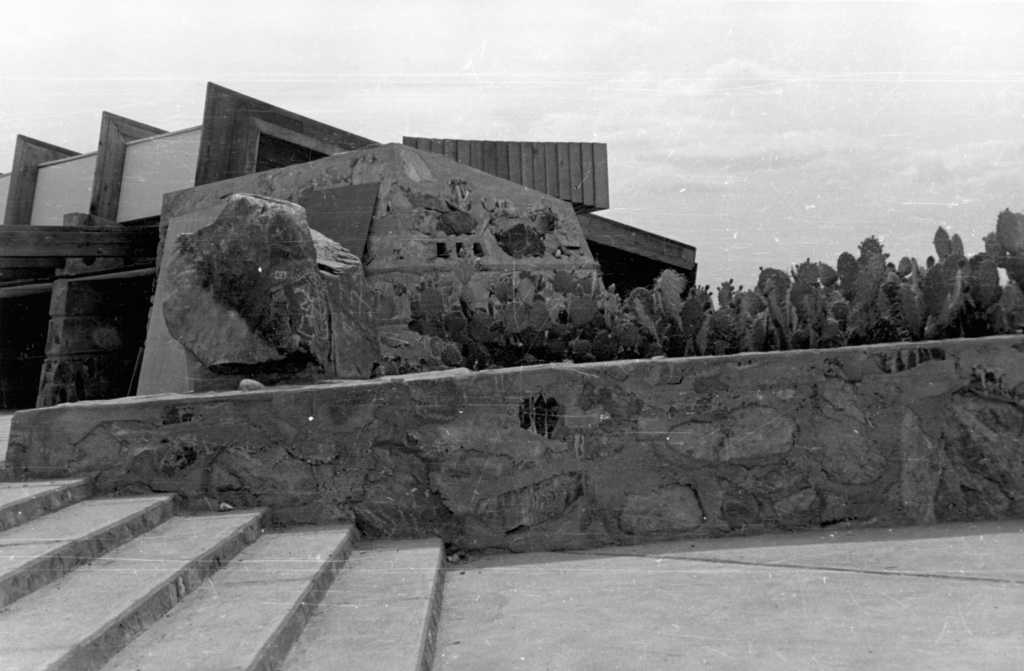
258, 289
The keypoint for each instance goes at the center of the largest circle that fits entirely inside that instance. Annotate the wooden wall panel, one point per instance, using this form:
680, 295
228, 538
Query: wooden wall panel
587, 156
476, 154
540, 173
576, 172
155, 166
501, 159
61, 187
490, 164
526, 151
515, 162
564, 181
451, 149
551, 168
601, 184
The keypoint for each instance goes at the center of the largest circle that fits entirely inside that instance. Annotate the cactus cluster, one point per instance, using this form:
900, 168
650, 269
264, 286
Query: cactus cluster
864, 299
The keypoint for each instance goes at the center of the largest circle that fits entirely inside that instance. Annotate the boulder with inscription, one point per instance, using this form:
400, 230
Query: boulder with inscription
259, 289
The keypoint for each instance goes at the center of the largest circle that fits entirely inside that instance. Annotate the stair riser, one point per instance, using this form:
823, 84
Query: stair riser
274, 653
48, 568
94, 654
37, 506
429, 645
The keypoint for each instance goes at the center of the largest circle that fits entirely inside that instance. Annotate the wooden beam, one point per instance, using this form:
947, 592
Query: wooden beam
575, 173
47, 287
115, 132
643, 243
21, 192
451, 149
11, 262
227, 133
84, 219
540, 175
601, 201
551, 168
490, 157
587, 153
515, 162
501, 159
526, 150
476, 154
22, 275
50, 241
564, 180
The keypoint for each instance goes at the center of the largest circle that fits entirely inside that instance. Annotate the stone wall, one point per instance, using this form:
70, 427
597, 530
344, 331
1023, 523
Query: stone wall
570, 456
95, 332
452, 253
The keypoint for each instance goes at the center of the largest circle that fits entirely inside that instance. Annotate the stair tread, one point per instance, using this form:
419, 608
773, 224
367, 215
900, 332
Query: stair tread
21, 502
53, 544
73, 623
251, 607
377, 614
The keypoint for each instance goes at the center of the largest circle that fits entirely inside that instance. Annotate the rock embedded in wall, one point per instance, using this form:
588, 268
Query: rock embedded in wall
257, 289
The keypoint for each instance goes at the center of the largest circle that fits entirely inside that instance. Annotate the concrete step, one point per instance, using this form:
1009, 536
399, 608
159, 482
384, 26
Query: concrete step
37, 553
249, 614
78, 622
380, 613
21, 502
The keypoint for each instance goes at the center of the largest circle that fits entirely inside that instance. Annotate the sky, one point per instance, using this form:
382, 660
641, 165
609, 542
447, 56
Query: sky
762, 133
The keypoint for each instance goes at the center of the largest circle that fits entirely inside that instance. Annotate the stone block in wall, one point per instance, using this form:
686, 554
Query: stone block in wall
95, 331
75, 378
87, 335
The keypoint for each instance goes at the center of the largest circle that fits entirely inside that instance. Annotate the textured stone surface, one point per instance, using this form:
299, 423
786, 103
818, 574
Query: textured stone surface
249, 290
570, 456
246, 289
452, 252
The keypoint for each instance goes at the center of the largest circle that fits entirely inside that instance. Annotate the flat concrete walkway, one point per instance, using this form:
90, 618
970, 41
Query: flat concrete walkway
940, 597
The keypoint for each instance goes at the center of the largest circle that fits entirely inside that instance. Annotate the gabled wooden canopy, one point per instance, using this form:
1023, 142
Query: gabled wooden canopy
235, 126
115, 132
21, 193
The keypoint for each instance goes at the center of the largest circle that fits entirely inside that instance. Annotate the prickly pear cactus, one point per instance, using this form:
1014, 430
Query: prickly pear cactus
943, 245
532, 318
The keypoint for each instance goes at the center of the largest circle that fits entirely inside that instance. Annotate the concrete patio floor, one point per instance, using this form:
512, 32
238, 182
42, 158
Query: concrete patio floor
940, 597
